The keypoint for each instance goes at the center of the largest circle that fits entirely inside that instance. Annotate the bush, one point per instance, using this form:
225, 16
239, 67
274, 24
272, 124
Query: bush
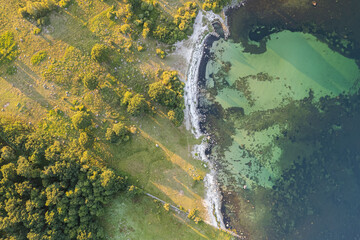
64, 3
167, 207
160, 53
90, 81
85, 140
43, 21
193, 215
37, 31
137, 105
37, 9
100, 52
23, 12
38, 57
125, 28
81, 120
119, 132
215, 5
61, 198
161, 94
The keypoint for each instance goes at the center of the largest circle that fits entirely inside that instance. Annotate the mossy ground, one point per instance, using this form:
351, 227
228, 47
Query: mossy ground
166, 171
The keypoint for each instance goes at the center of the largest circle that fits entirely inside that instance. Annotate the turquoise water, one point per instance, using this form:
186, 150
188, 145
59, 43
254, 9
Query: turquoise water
280, 114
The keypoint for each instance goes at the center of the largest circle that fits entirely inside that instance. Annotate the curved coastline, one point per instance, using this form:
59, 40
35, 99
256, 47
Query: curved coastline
194, 110
194, 120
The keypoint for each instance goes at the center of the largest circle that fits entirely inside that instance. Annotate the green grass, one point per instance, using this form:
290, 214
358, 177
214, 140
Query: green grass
143, 218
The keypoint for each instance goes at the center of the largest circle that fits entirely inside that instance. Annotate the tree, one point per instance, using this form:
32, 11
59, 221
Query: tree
100, 53
137, 104
57, 199
160, 93
90, 81
85, 140
7, 154
81, 120
8, 47
119, 132
125, 28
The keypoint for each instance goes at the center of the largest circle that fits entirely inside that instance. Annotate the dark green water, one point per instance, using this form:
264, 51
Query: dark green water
287, 125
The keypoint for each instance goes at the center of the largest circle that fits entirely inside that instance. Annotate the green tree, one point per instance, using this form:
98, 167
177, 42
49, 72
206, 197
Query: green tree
7, 154
100, 53
125, 28
90, 81
81, 120
160, 93
119, 132
137, 104
85, 140
8, 47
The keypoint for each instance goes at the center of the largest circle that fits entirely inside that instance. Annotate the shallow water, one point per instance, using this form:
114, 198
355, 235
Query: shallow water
286, 126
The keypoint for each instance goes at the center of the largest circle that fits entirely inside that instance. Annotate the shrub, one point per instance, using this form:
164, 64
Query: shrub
137, 104
81, 120
8, 48
160, 53
160, 93
110, 15
167, 207
85, 140
37, 9
215, 5
37, 31
23, 12
7, 154
90, 81
193, 215
125, 28
100, 52
43, 21
64, 3
119, 132
38, 57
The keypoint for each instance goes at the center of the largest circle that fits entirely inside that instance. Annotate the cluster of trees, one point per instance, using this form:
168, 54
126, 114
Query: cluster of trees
184, 19
39, 10
170, 32
8, 48
215, 5
49, 189
148, 20
169, 91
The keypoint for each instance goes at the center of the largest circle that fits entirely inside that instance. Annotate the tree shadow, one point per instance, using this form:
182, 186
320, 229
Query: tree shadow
26, 82
73, 31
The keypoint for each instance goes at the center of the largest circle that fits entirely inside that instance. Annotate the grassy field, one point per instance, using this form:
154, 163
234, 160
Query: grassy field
156, 159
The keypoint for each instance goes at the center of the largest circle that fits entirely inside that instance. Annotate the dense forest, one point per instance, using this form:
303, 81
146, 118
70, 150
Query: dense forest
50, 189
